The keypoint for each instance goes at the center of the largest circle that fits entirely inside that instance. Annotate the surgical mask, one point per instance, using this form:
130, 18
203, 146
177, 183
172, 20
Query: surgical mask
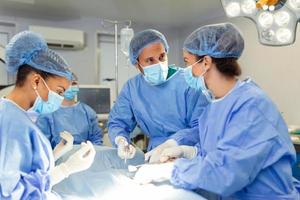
71, 92
43, 107
197, 83
156, 74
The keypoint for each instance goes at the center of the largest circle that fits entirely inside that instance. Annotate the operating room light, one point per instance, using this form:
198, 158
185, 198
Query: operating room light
126, 36
295, 4
233, 9
248, 7
266, 19
283, 35
276, 20
268, 34
282, 18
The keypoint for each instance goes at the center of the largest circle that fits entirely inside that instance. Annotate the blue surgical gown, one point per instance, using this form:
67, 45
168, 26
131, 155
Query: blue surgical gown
80, 120
244, 149
25, 156
160, 111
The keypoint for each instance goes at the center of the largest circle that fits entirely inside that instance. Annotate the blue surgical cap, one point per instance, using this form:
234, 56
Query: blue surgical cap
218, 41
30, 48
144, 39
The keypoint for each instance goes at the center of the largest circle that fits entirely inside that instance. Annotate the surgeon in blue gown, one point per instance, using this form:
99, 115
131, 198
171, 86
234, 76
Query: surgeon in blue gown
27, 168
77, 118
244, 150
158, 99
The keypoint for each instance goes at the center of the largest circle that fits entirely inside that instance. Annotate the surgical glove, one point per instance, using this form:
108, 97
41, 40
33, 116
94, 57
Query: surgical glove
153, 156
79, 161
154, 173
182, 151
64, 146
125, 150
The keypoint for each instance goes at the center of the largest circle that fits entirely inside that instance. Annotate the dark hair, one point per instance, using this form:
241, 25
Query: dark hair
25, 70
227, 66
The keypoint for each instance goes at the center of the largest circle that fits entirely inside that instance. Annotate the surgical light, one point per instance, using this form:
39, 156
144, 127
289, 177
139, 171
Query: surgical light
268, 34
233, 9
276, 20
266, 19
248, 7
283, 35
282, 18
295, 4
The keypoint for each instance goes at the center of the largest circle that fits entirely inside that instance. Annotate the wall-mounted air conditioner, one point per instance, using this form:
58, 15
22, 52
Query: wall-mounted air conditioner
60, 38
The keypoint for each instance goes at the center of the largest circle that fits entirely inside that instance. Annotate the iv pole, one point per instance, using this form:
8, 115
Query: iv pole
116, 23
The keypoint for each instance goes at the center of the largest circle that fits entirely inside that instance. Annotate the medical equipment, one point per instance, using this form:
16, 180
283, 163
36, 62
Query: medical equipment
276, 20
98, 97
126, 35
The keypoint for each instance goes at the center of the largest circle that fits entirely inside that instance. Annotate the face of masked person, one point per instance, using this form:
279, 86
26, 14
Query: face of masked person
153, 64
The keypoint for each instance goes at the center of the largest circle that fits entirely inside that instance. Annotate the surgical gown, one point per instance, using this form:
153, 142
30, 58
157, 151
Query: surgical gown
244, 151
160, 111
80, 120
25, 156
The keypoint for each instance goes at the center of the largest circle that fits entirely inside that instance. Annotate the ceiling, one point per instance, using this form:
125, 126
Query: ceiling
173, 13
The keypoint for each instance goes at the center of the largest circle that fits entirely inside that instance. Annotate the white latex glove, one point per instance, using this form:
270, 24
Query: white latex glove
178, 152
153, 156
125, 150
154, 173
79, 161
64, 146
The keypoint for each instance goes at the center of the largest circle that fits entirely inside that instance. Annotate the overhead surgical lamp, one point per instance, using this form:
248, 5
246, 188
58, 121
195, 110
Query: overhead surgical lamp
276, 20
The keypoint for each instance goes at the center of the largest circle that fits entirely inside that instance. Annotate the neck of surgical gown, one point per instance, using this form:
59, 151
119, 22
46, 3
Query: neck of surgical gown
244, 149
25, 156
160, 111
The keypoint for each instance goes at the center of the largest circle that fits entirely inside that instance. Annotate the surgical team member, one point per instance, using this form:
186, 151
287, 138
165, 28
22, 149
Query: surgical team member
76, 118
26, 159
244, 149
158, 99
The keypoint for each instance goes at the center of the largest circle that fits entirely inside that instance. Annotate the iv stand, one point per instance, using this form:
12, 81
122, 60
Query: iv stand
116, 23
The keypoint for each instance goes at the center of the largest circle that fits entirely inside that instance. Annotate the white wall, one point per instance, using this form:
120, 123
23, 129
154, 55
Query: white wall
83, 62
275, 69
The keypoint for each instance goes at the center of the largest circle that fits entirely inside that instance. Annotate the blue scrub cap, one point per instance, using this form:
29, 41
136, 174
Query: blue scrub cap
30, 48
217, 40
142, 40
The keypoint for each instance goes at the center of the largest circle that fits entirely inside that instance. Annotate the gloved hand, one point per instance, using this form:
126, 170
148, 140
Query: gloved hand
79, 161
153, 156
182, 151
64, 146
125, 150
154, 173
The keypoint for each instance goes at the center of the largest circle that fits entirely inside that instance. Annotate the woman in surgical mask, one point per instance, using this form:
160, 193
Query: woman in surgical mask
73, 117
244, 150
158, 99
27, 168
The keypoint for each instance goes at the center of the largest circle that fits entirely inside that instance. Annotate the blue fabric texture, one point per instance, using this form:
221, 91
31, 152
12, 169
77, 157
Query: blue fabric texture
160, 111
26, 156
218, 41
246, 154
80, 120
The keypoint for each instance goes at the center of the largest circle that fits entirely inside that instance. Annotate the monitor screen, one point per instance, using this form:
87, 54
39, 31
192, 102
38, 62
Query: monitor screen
97, 98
